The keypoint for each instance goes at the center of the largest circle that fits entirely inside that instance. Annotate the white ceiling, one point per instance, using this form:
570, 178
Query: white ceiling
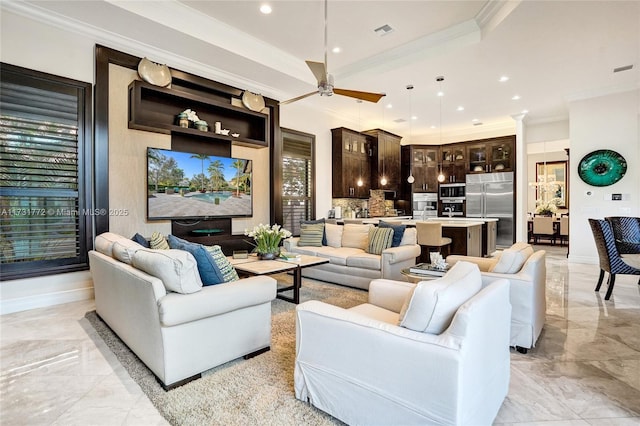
552, 51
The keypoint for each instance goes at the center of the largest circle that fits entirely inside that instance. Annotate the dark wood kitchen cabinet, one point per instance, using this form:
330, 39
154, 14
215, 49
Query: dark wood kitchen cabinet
351, 164
491, 155
385, 160
454, 162
420, 161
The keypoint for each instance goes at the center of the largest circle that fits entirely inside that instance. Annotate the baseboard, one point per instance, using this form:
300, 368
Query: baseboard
8, 306
583, 259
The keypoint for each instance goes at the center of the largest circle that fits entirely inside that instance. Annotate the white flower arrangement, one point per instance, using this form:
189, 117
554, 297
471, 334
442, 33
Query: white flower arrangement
550, 207
191, 115
267, 237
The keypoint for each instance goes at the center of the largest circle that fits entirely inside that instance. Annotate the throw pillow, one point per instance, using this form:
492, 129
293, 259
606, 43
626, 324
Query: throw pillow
356, 236
410, 237
176, 268
124, 249
432, 304
158, 242
208, 268
398, 231
104, 242
334, 234
311, 234
512, 259
141, 240
314, 222
227, 270
380, 239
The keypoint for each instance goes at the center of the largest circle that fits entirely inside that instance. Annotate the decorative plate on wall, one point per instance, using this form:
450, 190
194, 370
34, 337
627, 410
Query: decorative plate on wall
602, 167
152, 73
253, 101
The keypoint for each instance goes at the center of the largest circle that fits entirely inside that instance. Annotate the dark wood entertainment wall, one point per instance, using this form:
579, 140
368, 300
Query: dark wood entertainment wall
153, 109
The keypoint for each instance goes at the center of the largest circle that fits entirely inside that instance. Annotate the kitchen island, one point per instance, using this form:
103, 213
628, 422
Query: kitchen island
469, 236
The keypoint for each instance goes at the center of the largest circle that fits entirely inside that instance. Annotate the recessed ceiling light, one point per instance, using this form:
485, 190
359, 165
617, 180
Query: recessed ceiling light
336, 49
524, 111
460, 108
433, 126
503, 78
389, 106
440, 93
266, 9
474, 120
515, 97
413, 117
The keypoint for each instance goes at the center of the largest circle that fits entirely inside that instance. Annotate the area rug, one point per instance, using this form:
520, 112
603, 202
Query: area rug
258, 391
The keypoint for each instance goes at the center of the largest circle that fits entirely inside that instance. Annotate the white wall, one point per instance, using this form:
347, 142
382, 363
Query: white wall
30, 44
607, 122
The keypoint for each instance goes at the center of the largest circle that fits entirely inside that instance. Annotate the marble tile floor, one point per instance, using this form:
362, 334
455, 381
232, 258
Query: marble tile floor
585, 369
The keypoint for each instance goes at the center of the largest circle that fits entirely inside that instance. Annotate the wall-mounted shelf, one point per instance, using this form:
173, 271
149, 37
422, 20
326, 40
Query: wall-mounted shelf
154, 109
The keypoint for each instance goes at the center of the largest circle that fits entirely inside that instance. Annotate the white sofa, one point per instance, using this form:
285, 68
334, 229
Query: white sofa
361, 367
526, 271
178, 336
354, 267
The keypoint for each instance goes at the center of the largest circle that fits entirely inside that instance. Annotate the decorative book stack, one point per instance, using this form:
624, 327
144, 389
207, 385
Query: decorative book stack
427, 269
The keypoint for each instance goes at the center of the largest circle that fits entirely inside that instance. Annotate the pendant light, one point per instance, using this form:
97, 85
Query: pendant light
440, 79
383, 180
360, 181
410, 179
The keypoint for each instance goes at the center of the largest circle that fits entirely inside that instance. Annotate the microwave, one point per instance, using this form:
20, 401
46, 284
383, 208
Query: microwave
452, 207
452, 190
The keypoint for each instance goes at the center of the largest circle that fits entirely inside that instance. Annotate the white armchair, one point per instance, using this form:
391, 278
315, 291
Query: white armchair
361, 367
527, 290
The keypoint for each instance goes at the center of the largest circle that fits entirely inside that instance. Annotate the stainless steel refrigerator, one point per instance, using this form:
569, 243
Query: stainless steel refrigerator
491, 195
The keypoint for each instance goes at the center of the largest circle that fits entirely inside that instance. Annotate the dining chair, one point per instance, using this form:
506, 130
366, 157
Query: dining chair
430, 237
610, 259
543, 228
626, 231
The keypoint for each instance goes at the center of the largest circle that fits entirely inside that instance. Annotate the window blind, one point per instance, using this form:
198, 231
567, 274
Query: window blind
42, 208
297, 181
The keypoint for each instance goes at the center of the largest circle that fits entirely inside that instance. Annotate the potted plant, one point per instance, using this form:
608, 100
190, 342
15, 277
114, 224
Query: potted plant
267, 240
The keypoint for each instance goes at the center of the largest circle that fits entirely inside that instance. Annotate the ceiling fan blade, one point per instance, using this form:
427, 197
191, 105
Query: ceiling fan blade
298, 98
365, 96
319, 70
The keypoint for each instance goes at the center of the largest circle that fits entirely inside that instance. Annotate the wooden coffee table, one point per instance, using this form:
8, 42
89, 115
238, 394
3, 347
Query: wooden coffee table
253, 266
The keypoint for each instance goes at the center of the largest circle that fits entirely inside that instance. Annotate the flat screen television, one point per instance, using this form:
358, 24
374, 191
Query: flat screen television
185, 185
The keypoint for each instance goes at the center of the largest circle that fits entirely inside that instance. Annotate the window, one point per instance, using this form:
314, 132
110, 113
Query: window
298, 201
45, 125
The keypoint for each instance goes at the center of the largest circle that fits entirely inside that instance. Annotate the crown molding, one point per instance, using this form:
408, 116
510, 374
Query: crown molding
493, 13
602, 91
186, 20
422, 48
135, 47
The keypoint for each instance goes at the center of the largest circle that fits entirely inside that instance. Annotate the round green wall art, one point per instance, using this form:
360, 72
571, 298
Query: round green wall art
602, 167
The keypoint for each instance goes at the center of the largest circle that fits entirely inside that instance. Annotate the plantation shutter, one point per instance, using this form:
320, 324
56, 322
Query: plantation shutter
43, 205
297, 180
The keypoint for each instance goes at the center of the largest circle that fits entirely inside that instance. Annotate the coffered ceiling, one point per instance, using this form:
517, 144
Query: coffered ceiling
551, 51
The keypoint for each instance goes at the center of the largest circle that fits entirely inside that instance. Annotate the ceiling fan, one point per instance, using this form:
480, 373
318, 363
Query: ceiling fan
325, 80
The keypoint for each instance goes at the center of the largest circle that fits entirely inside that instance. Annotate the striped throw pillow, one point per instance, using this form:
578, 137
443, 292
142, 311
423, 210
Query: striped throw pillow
158, 242
380, 239
311, 234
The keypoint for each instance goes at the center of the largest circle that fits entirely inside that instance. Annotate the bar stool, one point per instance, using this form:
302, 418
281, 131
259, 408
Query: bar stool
430, 237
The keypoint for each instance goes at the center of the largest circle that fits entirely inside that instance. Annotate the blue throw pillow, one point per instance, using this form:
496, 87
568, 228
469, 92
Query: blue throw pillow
210, 273
141, 240
398, 232
313, 222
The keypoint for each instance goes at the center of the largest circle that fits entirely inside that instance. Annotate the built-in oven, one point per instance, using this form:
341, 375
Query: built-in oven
425, 205
451, 207
452, 190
